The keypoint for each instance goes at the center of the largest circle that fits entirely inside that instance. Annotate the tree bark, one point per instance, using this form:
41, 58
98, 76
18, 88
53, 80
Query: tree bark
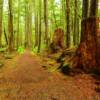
10, 27
75, 22
68, 23
18, 20
93, 7
40, 33
1, 15
87, 55
28, 25
46, 20
36, 29
85, 9
5, 35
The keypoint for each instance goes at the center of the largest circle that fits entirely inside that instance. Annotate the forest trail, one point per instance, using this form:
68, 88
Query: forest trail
26, 79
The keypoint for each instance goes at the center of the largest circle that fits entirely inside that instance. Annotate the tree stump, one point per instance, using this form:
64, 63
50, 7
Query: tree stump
57, 41
87, 56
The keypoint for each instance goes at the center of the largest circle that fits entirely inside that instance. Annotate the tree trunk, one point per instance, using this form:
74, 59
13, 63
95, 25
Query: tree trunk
28, 25
39, 45
75, 22
18, 20
93, 7
10, 27
5, 35
78, 31
85, 57
46, 20
1, 14
68, 23
36, 29
85, 9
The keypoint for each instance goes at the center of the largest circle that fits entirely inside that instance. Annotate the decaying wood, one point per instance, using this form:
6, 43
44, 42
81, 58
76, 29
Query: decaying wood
87, 56
58, 40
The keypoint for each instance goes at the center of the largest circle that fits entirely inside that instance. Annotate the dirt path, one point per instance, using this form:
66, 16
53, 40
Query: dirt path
27, 80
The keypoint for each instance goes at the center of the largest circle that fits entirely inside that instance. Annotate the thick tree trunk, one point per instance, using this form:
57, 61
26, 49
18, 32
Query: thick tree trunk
87, 56
57, 41
93, 7
85, 9
28, 25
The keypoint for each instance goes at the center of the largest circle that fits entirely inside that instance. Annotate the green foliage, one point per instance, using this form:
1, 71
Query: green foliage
2, 49
56, 18
34, 50
21, 50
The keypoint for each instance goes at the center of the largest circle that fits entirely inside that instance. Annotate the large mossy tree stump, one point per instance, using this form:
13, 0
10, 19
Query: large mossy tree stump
87, 56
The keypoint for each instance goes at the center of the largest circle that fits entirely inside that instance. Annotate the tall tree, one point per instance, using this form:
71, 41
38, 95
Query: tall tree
85, 9
75, 22
36, 24
46, 20
85, 12
63, 11
18, 21
1, 15
10, 26
93, 7
68, 23
26, 27
88, 55
40, 33
28, 24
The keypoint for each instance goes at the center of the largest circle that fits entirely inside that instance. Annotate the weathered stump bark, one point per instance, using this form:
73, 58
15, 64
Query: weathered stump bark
87, 55
57, 41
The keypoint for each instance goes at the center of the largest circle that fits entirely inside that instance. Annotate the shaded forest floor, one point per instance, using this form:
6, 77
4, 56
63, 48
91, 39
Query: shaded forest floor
25, 78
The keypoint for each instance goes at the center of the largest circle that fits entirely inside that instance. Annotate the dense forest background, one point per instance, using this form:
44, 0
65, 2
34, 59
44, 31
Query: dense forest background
31, 23
49, 50
55, 25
